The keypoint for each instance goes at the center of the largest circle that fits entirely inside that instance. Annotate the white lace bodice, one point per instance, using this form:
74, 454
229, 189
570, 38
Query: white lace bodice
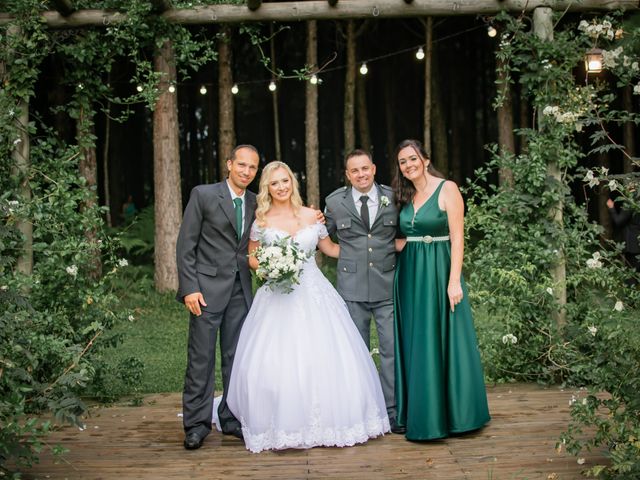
306, 237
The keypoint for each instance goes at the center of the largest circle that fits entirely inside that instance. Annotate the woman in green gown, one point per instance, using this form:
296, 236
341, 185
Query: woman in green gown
439, 381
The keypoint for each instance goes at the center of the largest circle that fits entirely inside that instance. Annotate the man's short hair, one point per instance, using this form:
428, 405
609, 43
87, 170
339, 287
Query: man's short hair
356, 153
232, 157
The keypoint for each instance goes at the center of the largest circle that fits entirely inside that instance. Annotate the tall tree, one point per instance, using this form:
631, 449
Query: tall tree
274, 99
629, 139
543, 29
226, 114
439, 141
428, 64
363, 113
166, 172
350, 89
506, 138
311, 119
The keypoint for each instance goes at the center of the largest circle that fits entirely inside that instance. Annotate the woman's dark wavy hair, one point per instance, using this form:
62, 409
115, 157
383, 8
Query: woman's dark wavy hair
403, 188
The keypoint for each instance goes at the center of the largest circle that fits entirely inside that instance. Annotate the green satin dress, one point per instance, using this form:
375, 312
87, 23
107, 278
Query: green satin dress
439, 381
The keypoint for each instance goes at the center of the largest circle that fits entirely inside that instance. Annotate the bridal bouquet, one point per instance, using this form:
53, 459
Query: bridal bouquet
280, 264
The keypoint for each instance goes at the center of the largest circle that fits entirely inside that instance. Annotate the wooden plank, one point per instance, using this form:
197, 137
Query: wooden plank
146, 443
322, 10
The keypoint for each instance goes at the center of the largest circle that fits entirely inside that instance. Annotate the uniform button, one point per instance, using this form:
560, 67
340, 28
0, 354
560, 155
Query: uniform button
370, 249
342, 224
369, 235
371, 264
344, 268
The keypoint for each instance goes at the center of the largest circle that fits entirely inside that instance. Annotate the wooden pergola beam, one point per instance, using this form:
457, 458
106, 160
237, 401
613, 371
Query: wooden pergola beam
321, 10
64, 7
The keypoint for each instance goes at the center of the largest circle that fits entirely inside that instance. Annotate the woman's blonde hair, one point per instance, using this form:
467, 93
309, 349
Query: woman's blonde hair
264, 199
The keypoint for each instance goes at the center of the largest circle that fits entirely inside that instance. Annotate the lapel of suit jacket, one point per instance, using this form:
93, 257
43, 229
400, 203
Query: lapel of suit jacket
350, 205
227, 205
249, 209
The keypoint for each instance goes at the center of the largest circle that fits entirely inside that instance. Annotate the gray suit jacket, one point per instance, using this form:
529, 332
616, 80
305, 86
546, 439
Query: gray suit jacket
208, 251
367, 257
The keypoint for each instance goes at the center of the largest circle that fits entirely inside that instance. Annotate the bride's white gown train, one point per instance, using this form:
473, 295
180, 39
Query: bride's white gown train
302, 376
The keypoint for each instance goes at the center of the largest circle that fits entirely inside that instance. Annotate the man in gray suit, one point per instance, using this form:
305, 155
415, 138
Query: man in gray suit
365, 218
215, 286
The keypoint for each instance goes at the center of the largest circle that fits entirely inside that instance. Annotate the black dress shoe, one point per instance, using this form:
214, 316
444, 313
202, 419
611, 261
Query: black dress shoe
193, 441
236, 432
395, 428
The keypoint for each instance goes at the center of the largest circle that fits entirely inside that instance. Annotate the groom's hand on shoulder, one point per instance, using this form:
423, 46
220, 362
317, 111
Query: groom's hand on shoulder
193, 302
319, 215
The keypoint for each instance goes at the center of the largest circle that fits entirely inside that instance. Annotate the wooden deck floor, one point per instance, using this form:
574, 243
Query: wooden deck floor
146, 443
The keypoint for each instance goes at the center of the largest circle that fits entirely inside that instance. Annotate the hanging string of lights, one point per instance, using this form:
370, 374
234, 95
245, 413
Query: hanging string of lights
315, 78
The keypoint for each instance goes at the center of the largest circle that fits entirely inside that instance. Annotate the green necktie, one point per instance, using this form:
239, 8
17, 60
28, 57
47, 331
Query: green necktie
238, 205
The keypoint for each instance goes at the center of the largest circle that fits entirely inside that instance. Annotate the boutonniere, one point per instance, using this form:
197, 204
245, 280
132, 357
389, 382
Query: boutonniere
384, 201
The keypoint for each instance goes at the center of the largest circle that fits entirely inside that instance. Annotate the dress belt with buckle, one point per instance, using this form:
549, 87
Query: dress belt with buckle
428, 239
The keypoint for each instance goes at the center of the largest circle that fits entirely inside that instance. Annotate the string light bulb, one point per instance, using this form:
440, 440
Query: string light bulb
139, 88
314, 79
172, 88
420, 54
235, 89
203, 90
272, 86
363, 69
491, 31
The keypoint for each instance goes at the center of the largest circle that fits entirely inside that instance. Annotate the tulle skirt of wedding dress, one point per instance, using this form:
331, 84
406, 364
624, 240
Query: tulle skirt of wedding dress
302, 376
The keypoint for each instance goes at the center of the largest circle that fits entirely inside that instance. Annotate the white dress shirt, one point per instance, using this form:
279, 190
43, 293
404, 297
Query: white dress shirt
372, 203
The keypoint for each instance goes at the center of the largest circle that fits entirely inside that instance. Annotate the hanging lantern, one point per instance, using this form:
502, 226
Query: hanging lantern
593, 60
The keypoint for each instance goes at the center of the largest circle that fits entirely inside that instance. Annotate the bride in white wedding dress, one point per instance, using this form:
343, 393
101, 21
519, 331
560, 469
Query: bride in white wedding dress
302, 376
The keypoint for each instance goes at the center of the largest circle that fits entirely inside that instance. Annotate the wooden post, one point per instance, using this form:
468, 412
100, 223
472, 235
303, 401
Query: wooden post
21, 166
226, 112
311, 120
543, 29
274, 99
166, 172
628, 132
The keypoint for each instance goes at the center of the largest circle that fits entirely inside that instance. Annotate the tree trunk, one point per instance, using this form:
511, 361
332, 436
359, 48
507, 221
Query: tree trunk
363, 113
350, 90
105, 161
506, 139
166, 172
389, 116
525, 122
21, 166
543, 29
311, 120
274, 100
428, 101
88, 167
603, 195
628, 133
226, 114
440, 144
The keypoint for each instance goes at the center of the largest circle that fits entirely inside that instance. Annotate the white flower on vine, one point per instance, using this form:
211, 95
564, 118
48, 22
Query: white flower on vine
594, 263
583, 25
592, 330
580, 461
550, 110
12, 112
130, 318
619, 306
636, 89
4, 288
550, 290
635, 66
613, 185
509, 338
122, 262
72, 270
573, 400
17, 141
375, 351
591, 180
604, 170
596, 255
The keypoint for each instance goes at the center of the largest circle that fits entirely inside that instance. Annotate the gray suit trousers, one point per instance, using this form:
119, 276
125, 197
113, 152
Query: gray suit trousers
197, 397
382, 312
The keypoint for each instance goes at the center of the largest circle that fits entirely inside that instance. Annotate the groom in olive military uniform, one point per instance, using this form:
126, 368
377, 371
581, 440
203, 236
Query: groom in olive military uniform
364, 218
